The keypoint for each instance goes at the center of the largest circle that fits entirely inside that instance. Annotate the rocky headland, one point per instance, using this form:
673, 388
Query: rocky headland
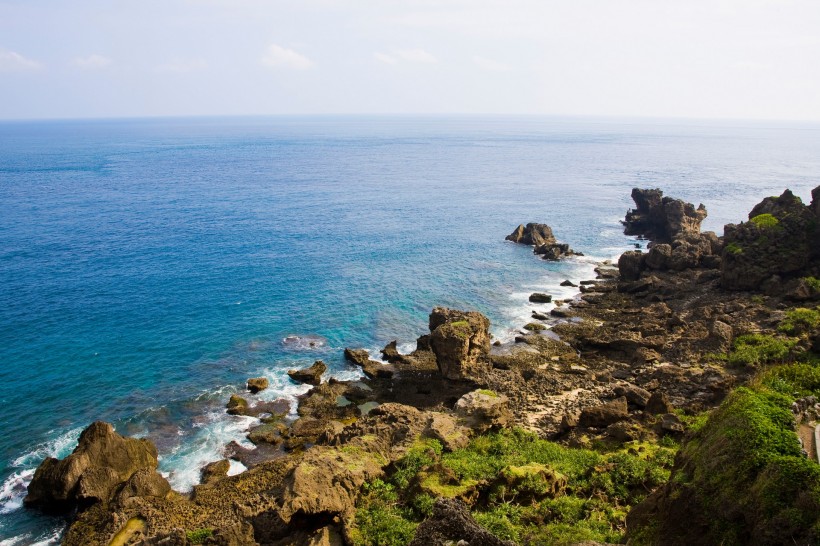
664, 405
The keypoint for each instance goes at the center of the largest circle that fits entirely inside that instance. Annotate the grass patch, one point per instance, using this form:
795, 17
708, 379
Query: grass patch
813, 283
757, 349
488, 392
198, 536
765, 221
800, 321
524, 489
734, 249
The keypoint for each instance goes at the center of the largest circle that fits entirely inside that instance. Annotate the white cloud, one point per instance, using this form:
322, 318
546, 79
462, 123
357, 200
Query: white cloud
490, 65
12, 61
182, 66
92, 62
415, 55
385, 58
282, 57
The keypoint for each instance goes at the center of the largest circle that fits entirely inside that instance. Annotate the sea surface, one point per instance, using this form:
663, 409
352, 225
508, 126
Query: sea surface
149, 267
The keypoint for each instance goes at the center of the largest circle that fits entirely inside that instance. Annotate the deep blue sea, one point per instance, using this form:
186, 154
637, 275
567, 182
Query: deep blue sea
149, 267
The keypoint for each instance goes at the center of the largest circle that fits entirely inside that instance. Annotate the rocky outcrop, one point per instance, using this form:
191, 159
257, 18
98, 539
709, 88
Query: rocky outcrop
532, 234
451, 523
460, 340
541, 237
662, 219
779, 243
604, 415
311, 375
674, 228
101, 463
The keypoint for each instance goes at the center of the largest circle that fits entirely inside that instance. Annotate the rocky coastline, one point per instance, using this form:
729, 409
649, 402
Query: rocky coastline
597, 425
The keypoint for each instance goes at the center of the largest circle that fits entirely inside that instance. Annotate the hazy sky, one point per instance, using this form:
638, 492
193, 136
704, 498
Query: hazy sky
689, 58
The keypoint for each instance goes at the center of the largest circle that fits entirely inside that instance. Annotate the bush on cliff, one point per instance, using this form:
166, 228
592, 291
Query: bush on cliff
800, 321
757, 349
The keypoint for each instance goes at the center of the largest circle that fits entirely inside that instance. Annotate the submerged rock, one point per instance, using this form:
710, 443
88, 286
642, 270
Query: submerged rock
102, 461
459, 339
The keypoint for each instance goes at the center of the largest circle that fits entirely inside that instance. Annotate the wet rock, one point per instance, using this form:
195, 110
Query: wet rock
534, 327
604, 415
539, 316
101, 462
658, 403
484, 410
215, 471
568, 283
391, 352
268, 433
452, 523
532, 234
237, 405
539, 297
311, 375
460, 340
555, 251
257, 384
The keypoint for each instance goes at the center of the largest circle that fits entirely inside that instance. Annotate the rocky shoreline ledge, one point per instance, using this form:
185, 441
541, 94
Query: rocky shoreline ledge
663, 406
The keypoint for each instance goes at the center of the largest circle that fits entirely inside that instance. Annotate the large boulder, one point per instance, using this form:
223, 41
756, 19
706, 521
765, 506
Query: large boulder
532, 234
451, 523
102, 462
779, 241
484, 410
460, 340
631, 264
604, 415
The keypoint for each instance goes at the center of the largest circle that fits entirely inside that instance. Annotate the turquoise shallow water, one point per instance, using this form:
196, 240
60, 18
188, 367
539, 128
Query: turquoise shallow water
148, 267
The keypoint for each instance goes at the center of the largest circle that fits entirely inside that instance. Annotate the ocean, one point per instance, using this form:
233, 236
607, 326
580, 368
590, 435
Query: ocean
149, 267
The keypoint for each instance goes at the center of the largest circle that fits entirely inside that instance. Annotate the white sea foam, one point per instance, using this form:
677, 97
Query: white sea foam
58, 447
236, 468
14, 489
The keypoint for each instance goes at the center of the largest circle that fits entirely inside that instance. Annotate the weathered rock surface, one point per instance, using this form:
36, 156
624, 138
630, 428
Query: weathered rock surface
102, 461
311, 375
604, 415
540, 297
450, 524
662, 219
460, 340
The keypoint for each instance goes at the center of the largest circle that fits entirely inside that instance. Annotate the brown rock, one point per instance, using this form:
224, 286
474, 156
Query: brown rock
459, 339
257, 384
539, 297
484, 410
215, 471
532, 234
604, 415
311, 375
371, 368
445, 429
237, 405
631, 264
144, 483
452, 523
658, 403
634, 394
102, 461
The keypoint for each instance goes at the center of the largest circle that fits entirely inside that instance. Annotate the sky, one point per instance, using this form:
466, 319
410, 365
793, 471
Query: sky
736, 59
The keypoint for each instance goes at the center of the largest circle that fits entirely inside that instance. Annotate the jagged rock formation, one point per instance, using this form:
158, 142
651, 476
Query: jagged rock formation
371, 368
674, 228
101, 464
779, 243
459, 339
256, 384
542, 238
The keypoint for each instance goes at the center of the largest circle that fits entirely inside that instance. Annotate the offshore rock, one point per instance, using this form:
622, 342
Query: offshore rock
451, 523
532, 234
460, 340
371, 368
256, 384
102, 461
311, 375
779, 241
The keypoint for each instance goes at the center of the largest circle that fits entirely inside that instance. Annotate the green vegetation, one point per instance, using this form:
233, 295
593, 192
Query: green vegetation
198, 536
800, 321
520, 487
534, 327
459, 324
765, 221
813, 283
734, 249
488, 392
757, 349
